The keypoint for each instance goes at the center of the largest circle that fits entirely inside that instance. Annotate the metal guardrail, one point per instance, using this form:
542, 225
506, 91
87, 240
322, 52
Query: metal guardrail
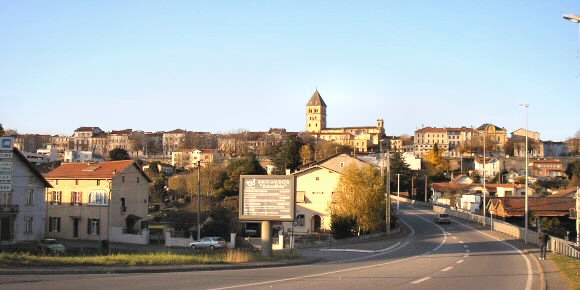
564, 247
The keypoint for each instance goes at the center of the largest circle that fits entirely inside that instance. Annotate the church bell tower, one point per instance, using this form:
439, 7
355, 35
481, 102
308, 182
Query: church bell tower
315, 114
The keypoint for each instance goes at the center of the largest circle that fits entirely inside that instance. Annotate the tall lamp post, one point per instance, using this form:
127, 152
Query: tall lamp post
484, 175
198, 200
398, 192
525, 106
576, 19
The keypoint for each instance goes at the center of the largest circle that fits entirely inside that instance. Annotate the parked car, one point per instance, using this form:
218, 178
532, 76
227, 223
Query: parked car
51, 246
442, 218
209, 242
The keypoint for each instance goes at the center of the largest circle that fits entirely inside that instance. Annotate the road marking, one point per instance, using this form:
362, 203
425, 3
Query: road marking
348, 269
466, 246
461, 242
459, 262
420, 280
467, 251
466, 255
361, 251
370, 256
455, 238
446, 269
528, 265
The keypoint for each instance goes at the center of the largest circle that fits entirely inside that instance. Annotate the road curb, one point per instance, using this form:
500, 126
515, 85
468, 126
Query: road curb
152, 269
543, 280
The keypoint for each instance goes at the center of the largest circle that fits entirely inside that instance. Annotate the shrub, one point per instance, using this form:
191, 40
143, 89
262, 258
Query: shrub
342, 227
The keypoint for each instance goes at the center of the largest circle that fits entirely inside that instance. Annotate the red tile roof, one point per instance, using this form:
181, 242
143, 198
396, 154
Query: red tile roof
540, 206
100, 170
568, 192
431, 129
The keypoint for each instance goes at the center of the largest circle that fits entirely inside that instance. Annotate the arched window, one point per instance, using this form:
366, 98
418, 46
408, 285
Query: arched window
98, 197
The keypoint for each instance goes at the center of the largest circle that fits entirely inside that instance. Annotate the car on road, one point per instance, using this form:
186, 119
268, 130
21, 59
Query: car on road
209, 243
51, 246
442, 218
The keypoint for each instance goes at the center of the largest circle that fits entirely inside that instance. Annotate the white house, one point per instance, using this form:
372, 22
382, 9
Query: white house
315, 186
22, 199
492, 167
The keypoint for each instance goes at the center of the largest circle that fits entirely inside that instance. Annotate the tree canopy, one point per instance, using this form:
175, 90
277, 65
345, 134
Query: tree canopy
119, 154
288, 155
360, 195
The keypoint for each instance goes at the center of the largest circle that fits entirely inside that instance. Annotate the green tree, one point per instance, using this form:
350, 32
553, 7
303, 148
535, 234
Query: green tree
2, 130
436, 161
288, 155
360, 195
398, 165
573, 172
244, 166
157, 190
119, 154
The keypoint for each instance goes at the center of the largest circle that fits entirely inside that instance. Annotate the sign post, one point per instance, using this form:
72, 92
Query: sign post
6, 147
267, 198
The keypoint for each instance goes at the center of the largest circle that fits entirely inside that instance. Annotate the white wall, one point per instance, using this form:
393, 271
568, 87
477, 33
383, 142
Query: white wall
116, 235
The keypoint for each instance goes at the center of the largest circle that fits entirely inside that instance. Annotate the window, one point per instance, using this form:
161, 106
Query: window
94, 227
341, 164
299, 220
122, 178
123, 206
98, 182
56, 197
317, 178
76, 182
76, 198
300, 196
27, 225
98, 197
29, 197
54, 224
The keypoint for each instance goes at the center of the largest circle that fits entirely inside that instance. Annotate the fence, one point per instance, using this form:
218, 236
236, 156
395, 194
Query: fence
564, 247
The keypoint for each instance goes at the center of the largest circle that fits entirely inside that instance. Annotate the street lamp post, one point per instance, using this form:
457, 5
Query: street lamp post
525, 106
484, 174
576, 19
387, 195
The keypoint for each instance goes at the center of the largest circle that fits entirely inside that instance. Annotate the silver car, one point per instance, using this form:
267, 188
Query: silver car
442, 218
209, 242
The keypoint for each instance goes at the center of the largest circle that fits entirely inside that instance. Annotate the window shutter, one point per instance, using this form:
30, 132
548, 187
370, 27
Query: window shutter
72, 198
98, 227
80, 198
89, 226
60, 197
50, 224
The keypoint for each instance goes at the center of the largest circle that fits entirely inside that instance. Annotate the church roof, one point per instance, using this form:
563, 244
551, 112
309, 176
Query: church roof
316, 100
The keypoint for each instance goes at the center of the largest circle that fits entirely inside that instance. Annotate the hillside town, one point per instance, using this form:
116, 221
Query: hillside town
136, 187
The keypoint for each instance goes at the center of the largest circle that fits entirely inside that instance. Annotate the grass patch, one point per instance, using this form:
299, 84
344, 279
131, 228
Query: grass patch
140, 259
570, 267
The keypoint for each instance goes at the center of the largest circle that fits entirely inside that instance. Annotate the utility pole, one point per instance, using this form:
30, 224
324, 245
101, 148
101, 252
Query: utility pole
398, 192
388, 201
426, 180
577, 219
198, 200
526, 197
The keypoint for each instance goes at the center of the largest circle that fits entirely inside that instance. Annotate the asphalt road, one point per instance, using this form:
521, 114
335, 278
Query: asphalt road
432, 256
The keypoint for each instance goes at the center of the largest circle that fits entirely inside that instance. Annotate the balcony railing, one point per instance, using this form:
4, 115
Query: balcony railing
8, 208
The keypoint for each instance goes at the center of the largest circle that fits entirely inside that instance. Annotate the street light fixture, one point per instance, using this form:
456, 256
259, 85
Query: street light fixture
525, 106
572, 17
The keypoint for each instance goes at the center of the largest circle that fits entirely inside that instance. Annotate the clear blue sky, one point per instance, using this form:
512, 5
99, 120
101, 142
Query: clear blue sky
224, 65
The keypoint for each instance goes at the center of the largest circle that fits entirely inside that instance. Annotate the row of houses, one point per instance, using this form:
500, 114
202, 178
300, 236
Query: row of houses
465, 141
84, 201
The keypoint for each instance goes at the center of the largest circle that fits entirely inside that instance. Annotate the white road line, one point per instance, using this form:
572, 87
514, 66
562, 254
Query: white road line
348, 269
362, 251
461, 242
459, 262
370, 256
455, 238
528, 265
466, 246
420, 280
467, 251
446, 269
466, 255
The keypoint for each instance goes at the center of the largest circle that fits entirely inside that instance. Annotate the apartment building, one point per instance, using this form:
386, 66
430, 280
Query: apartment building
547, 168
99, 201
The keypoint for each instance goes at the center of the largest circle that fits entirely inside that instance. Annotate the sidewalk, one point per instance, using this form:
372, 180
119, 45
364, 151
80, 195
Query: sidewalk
148, 269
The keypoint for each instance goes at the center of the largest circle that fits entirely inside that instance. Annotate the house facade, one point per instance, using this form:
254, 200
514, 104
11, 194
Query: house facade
22, 203
315, 187
98, 201
547, 168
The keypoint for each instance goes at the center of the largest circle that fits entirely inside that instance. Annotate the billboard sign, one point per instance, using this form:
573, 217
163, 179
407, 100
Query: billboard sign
267, 198
6, 143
